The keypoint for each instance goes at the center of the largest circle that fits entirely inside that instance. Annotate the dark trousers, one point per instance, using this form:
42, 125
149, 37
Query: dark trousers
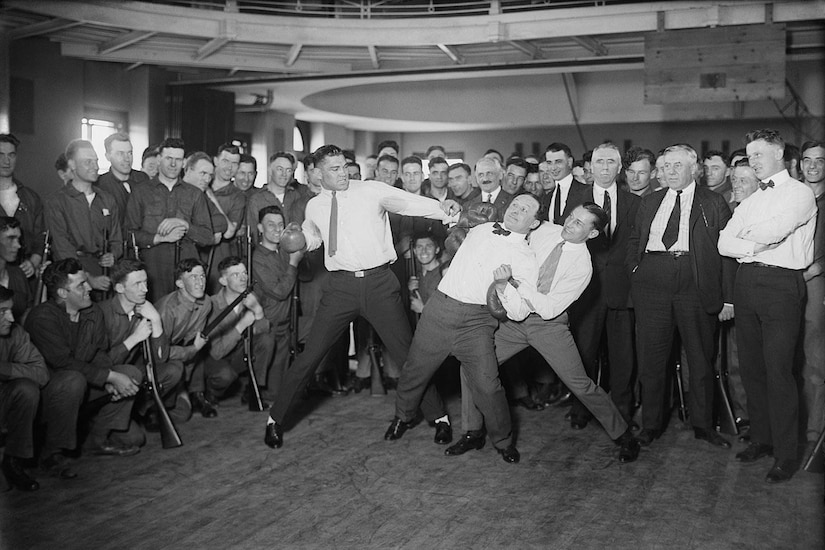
552, 339
114, 415
666, 298
222, 373
18, 407
61, 400
344, 297
769, 305
590, 317
449, 327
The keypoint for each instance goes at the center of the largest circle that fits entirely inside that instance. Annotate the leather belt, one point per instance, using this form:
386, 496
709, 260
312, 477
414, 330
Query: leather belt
671, 253
364, 272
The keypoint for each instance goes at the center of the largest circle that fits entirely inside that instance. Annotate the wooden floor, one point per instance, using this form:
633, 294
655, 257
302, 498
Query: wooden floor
338, 484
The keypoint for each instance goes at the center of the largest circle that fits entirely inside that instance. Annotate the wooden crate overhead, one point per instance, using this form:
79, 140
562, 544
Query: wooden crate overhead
732, 63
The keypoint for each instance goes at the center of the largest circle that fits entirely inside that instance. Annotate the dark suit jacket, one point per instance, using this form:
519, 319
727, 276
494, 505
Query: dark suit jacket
501, 203
713, 273
610, 255
577, 189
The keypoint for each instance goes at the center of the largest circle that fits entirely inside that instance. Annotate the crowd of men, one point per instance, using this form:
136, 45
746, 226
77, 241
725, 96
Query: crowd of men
541, 282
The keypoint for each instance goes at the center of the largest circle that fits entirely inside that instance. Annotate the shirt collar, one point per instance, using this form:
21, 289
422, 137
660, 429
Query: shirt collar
686, 191
566, 181
779, 178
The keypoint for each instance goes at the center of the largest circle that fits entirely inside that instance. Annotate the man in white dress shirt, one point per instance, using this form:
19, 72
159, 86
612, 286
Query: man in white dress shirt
771, 235
539, 319
350, 219
457, 322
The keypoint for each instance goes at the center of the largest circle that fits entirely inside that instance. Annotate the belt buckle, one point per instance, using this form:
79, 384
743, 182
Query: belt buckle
359, 274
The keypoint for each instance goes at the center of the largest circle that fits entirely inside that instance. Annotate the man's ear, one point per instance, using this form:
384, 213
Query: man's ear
178, 283
535, 224
593, 234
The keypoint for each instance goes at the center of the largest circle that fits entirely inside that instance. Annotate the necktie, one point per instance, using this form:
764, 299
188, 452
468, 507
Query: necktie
557, 206
498, 230
548, 269
606, 206
765, 185
332, 245
671, 234
487, 197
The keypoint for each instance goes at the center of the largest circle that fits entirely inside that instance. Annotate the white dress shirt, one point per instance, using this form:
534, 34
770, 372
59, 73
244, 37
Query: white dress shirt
598, 196
364, 239
493, 195
571, 278
657, 227
562, 190
471, 271
784, 214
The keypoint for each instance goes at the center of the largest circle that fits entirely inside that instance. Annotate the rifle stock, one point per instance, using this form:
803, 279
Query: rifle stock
169, 436
815, 461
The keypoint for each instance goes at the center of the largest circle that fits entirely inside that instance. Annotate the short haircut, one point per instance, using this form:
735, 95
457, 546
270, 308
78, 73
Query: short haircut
249, 159
171, 143
543, 211
230, 148
588, 155
326, 151
119, 136
186, 265
412, 160
308, 161
194, 158
432, 148
282, 155
61, 163
606, 145
685, 148
6, 294
387, 158
532, 168
7, 222
635, 154
517, 161
460, 166
811, 144
229, 261
495, 152
556, 147
349, 155
739, 153
56, 275
75, 145
271, 209
602, 219
120, 271
10, 138
151, 151
352, 164
388, 143
436, 160
768, 135
426, 235
488, 159
742, 162
714, 153
372, 157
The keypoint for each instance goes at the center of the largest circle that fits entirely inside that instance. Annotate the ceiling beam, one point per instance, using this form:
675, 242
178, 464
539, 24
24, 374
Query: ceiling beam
376, 64
591, 44
452, 53
160, 56
293, 54
534, 52
211, 47
124, 40
43, 27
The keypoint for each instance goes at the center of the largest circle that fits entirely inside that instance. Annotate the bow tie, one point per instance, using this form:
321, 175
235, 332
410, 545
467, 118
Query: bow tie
498, 230
765, 185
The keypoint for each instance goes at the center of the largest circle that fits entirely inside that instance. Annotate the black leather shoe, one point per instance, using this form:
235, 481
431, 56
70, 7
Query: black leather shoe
398, 427
201, 404
57, 465
468, 442
510, 455
547, 394
528, 404
628, 447
108, 448
646, 437
781, 472
754, 452
391, 383
274, 435
711, 437
16, 476
578, 422
443, 433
